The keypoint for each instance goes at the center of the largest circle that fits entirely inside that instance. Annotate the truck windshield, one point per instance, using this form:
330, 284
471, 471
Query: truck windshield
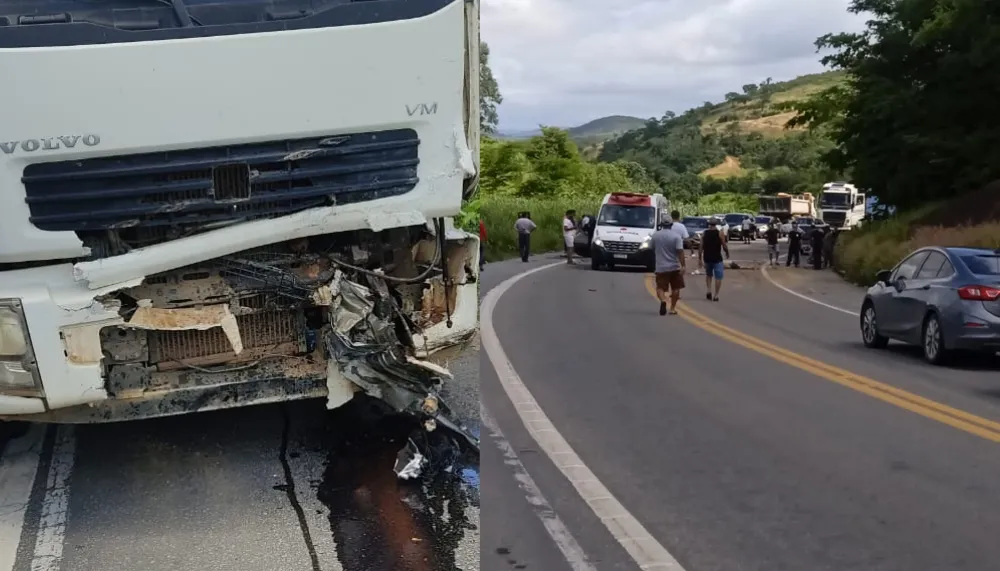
628, 216
835, 200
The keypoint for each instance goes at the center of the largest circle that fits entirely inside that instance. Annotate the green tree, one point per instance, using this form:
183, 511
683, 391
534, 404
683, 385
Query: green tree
489, 93
917, 120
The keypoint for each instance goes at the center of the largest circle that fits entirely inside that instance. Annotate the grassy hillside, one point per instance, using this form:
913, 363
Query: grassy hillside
600, 130
766, 110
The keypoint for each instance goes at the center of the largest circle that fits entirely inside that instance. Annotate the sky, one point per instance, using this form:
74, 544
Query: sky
566, 62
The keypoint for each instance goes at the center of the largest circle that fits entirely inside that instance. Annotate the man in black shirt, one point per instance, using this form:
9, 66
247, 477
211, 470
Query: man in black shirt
817, 248
713, 243
794, 245
771, 235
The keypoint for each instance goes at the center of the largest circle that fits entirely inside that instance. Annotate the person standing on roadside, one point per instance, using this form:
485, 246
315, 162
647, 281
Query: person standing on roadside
816, 237
524, 227
771, 236
713, 243
828, 241
569, 233
668, 247
794, 245
745, 230
482, 245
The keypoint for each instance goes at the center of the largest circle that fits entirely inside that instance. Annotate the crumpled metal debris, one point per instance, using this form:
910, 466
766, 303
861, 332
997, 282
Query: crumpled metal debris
367, 346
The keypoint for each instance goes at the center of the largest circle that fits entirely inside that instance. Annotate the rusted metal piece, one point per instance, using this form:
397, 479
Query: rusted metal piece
194, 318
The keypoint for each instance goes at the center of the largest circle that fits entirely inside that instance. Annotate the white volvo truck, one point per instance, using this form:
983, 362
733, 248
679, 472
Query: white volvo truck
842, 206
213, 205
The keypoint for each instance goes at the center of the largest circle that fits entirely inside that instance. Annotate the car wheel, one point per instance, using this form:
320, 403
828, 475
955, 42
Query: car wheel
869, 328
595, 264
935, 352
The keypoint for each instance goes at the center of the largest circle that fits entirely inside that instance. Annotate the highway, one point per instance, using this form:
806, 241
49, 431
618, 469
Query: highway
752, 434
267, 488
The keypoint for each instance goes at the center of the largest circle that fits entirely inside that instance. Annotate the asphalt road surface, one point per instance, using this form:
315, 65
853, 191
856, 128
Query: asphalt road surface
267, 488
752, 434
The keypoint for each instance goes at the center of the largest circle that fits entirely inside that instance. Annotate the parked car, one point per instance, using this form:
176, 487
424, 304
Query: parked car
762, 223
695, 225
734, 224
723, 226
942, 299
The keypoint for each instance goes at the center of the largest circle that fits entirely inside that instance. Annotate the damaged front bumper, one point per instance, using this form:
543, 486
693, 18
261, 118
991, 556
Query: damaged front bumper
304, 319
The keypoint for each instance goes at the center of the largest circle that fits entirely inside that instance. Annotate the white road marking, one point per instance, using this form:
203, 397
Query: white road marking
768, 277
55, 504
553, 524
18, 468
624, 527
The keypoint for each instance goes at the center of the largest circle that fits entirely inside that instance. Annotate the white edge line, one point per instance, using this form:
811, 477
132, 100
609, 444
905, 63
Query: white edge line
623, 526
55, 504
18, 468
767, 276
553, 524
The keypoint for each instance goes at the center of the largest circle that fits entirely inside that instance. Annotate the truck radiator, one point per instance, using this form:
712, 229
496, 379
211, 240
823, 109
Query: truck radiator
263, 334
194, 188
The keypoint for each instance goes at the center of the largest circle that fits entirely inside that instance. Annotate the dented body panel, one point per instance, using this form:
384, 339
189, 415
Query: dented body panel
200, 249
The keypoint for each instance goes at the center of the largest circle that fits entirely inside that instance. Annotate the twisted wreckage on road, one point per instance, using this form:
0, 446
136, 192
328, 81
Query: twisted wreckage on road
230, 223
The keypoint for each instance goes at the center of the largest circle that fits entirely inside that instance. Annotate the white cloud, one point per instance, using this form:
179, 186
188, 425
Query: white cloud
564, 62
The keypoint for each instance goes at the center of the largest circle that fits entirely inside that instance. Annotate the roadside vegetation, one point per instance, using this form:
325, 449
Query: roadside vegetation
905, 112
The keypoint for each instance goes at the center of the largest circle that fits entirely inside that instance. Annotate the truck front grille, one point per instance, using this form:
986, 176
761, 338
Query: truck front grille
195, 187
834, 218
621, 247
262, 334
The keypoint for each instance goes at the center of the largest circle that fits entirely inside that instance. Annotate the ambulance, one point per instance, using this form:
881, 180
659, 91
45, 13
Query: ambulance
625, 227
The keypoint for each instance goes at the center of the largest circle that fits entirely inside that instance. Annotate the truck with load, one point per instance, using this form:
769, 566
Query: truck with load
784, 206
842, 206
241, 203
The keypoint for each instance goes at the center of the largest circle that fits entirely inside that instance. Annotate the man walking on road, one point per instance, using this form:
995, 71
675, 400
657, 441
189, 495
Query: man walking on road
524, 227
668, 247
713, 243
569, 232
771, 235
794, 245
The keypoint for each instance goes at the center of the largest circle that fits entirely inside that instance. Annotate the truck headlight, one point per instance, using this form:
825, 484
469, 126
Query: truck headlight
598, 242
18, 373
646, 242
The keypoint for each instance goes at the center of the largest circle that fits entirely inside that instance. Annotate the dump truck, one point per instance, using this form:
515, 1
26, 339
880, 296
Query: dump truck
206, 206
786, 206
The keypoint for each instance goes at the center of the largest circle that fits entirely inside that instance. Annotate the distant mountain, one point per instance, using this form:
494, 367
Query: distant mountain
518, 134
605, 128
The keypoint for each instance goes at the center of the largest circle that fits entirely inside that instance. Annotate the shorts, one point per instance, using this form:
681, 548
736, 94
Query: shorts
673, 280
714, 269
772, 249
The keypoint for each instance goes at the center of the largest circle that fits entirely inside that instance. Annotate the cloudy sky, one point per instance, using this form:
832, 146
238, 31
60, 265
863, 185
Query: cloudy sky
565, 62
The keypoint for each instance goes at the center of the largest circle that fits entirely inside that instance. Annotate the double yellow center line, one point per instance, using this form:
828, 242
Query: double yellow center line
953, 417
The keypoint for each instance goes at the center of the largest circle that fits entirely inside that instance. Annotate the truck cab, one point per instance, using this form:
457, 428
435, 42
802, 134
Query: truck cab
624, 229
237, 204
842, 206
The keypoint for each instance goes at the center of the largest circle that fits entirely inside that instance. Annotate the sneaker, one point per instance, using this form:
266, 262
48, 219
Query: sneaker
716, 298
663, 308
673, 312
708, 296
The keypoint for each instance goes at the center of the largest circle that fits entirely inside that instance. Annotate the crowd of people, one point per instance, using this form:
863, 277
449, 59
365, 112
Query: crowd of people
668, 243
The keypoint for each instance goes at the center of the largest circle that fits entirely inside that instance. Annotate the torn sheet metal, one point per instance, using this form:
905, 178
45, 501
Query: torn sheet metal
363, 342
198, 318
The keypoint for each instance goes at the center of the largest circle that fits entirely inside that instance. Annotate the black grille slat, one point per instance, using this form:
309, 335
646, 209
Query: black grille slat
621, 247
193, 187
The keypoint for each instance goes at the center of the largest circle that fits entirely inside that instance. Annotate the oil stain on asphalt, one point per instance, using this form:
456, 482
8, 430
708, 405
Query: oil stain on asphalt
378, 521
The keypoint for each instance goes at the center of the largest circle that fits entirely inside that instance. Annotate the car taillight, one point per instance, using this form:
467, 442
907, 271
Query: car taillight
979, 293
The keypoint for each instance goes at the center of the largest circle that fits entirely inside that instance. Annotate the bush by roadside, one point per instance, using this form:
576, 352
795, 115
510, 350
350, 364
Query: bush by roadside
860, 254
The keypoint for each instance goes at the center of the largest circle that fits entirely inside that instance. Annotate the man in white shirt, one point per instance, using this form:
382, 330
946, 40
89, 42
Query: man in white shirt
569, 232
745, 233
